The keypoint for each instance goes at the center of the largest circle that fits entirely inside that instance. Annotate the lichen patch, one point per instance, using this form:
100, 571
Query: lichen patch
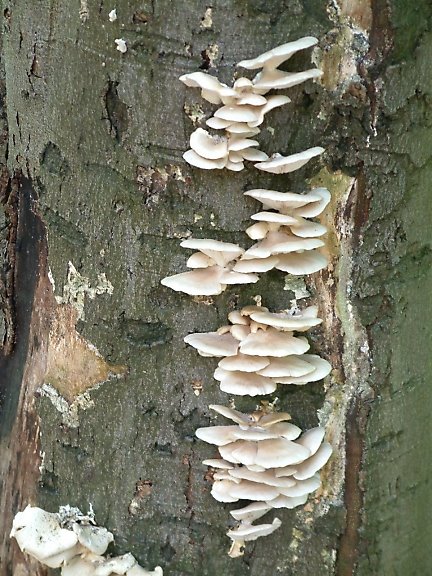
78, 287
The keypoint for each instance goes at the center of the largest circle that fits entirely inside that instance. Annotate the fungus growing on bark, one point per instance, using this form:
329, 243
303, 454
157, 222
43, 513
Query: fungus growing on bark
259, 350
212, 269
70, 541
265, 459
270, 78
279, 164
121, 45
215, 152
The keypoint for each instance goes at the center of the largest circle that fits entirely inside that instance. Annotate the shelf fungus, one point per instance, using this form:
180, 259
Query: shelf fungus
244, 106
209, 152
265, 459
287, 241
212, 269
259, 351
71, 541
270, 78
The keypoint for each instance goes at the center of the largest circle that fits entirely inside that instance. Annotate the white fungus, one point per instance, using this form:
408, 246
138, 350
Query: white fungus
112, 16
259, 350
266, 459
212, 269
68, 540
121, 45
244, 106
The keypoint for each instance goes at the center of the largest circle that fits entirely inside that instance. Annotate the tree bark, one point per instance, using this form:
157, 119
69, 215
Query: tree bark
100, 397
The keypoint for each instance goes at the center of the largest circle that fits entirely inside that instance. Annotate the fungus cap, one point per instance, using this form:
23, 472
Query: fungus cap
39, 534
208, 146
283, 164
276, 56
273, 342
247, 532
292, 365
296, 263
244, 363
198, 161
251, 512
198, 282
278, 80
212, 343
244, 383
300, 321
309, 467
322, 369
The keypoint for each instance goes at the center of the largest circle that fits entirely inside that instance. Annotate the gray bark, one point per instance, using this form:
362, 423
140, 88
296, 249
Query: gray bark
93, 175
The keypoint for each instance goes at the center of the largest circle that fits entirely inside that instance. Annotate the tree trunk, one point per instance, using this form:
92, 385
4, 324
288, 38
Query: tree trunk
100, 396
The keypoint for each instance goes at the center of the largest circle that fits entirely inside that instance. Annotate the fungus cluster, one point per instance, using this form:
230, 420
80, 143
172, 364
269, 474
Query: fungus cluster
71, 541
259, 350
244, 106
212, 268
287, 241
266, 459
262, 457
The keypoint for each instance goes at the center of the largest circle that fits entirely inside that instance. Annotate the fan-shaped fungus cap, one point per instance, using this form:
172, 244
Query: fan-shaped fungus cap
267, 477
315, 208
258, 418
288, 501
244, 383
39, 534
289, 366
283, 164
310, 466
208, 146
244, 363
231, 491
220, 252
247, 532
199, 282
300, 321
296, 263
305, 205
272, 342
94, 538
251, 512
280, 243
273, 453
273, 58
301, 488
278, 80
198, 161
218, 463
211, 89
213, 344
322, 368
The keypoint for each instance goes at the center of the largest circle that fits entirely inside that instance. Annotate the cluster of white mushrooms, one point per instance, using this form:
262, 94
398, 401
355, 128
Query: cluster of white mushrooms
262, 457
266, 459
243, 109
287, 242
259, 350
71, 541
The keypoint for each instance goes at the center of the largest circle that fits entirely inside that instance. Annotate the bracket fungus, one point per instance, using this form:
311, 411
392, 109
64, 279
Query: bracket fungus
212, 269
244, 107
287, 241
210, 152
266, 459
69, 540
259, 350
